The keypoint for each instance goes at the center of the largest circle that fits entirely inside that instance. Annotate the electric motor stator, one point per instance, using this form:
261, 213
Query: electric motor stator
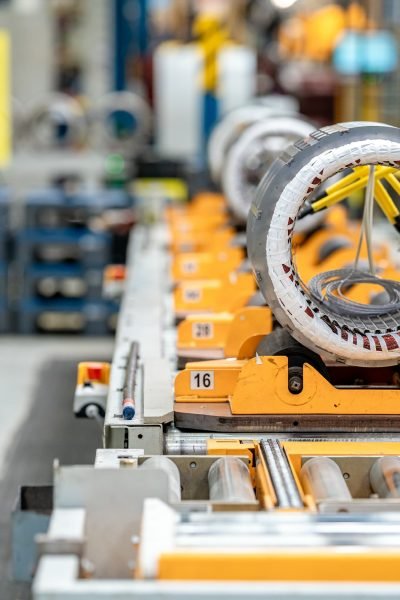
350, 338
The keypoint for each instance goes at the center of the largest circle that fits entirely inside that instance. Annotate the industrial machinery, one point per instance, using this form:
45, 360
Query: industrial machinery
58, 121
121, 121
236, 121
338, 329
253, 152
273, 471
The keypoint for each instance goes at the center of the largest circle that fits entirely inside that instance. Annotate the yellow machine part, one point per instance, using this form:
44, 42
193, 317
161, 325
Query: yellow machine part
248, 321
204, 223
224, 379
296, 450
200, 241
225, 331
322, 564
206, 265
202, 203
204, 331
260, 386
214, 295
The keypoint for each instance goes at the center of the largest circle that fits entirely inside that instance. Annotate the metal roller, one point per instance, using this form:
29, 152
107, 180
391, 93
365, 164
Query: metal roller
292, 179
254, 151
285, 487
385, 477
229, 481
323, 480
170, 468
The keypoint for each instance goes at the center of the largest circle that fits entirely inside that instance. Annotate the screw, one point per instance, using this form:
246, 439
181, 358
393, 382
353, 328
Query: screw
295, 384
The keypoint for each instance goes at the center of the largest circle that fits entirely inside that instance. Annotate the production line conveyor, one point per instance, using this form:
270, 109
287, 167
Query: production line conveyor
266, 473
116, 518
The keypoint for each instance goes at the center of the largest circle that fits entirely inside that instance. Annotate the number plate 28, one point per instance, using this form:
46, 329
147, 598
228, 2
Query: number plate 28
202, 331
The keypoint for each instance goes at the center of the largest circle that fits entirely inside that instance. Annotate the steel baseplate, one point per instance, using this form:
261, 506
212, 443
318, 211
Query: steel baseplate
143, 318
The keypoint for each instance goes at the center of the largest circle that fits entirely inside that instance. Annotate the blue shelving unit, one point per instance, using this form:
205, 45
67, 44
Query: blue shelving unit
60, 261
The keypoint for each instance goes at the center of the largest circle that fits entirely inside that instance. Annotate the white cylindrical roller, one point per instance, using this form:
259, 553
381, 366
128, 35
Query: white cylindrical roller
322, 479
252, 154
385, 477
229, 481
357, 337
170, 468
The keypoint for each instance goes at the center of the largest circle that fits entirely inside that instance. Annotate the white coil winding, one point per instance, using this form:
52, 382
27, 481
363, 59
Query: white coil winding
254, 151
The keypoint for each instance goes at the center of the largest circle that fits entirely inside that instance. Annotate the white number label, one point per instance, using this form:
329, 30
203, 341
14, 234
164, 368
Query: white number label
189, 266
204, 331
202, 380
192, 294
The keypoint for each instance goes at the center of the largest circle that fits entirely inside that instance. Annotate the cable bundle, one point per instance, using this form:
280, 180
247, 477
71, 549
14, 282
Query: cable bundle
330, 288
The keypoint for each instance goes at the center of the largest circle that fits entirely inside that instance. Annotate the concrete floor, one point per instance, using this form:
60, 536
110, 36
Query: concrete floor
21, 360
37, 380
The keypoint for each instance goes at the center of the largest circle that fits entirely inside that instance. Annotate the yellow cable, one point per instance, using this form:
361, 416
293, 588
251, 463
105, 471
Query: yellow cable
385, 202
341, 194
357, 172
394, 182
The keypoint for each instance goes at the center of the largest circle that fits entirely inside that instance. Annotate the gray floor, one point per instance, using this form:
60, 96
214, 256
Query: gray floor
37, 425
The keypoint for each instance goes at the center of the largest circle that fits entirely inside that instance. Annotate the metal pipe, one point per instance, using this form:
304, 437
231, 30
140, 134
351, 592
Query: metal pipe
177, 441
128, 390
322, 478
229, 481
384, 477
285, 487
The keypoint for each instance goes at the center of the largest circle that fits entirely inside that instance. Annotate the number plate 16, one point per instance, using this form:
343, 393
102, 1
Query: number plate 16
201, 380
